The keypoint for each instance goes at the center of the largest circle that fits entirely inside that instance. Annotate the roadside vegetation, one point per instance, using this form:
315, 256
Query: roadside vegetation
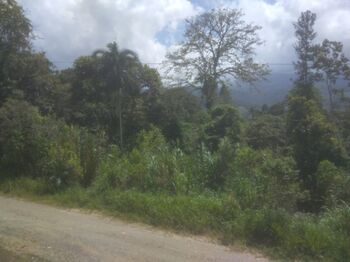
109, 134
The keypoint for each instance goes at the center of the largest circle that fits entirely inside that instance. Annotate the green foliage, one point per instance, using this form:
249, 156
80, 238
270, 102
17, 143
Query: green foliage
266, 226
156, 167
21, 69
331, 186
305, 35
198, 214
62, 165
260, 179
218, 45
22, 148
179, 116
150, 166
176, 164
267, 132
201, 168
313, 138
225, 122
91, 150
15, 28
323, 238
35, 146
25, 186
223, 158
114, 93
343, 120
298, 236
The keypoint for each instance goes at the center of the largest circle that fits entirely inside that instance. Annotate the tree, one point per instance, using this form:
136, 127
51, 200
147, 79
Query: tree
179, 116
15, 37
313, 139
331, 63
34, 78
117, 64
225, 95
95, 95
304, 48
218, 48
15, 29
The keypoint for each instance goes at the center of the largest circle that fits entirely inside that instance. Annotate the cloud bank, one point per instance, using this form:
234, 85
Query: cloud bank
66, 29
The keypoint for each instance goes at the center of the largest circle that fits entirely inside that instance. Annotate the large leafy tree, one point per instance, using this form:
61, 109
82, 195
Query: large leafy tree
23, 72
313, 139
179, 116
15, 28
312, 136
117, 65
218, 47
332, 64
15, 37
305, 48
113, 92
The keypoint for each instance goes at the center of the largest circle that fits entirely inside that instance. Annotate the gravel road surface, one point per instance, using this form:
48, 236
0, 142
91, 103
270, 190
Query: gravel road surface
48, 233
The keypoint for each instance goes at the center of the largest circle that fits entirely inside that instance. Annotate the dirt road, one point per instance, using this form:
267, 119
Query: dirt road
55, 234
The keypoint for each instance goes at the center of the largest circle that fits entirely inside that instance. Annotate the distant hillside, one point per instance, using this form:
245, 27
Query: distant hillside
268, 92
274, 90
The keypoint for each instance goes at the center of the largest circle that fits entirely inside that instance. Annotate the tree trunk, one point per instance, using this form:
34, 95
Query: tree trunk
120, 118
330, 94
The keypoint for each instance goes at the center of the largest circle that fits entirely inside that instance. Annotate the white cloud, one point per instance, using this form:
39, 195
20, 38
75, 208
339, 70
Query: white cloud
67, 29
277, 20
70, 28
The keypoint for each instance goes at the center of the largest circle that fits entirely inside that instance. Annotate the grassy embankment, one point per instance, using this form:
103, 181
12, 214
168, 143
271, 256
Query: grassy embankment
277, 233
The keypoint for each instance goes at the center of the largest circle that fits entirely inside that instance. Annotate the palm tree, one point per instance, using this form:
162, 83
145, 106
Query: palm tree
117, 65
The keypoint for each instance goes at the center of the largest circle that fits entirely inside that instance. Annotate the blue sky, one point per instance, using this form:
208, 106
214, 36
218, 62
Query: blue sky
67, 29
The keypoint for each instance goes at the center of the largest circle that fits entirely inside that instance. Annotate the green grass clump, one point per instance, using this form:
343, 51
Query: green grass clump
197, 214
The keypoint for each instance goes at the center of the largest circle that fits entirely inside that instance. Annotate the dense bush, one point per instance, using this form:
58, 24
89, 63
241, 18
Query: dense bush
267, 132
223, 158
22, 148
313, 138
260, 179
331, 187
155, 166
225, 122
32, 145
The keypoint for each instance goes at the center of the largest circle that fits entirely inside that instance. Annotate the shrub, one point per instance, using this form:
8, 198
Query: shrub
258, 227
35, 146
91, 150
24, 186
305, 236
22, 148
199, 214
200, 167
223, 158
331, 186
62, 163
155, 167
267, 132
261, 179
225, 122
